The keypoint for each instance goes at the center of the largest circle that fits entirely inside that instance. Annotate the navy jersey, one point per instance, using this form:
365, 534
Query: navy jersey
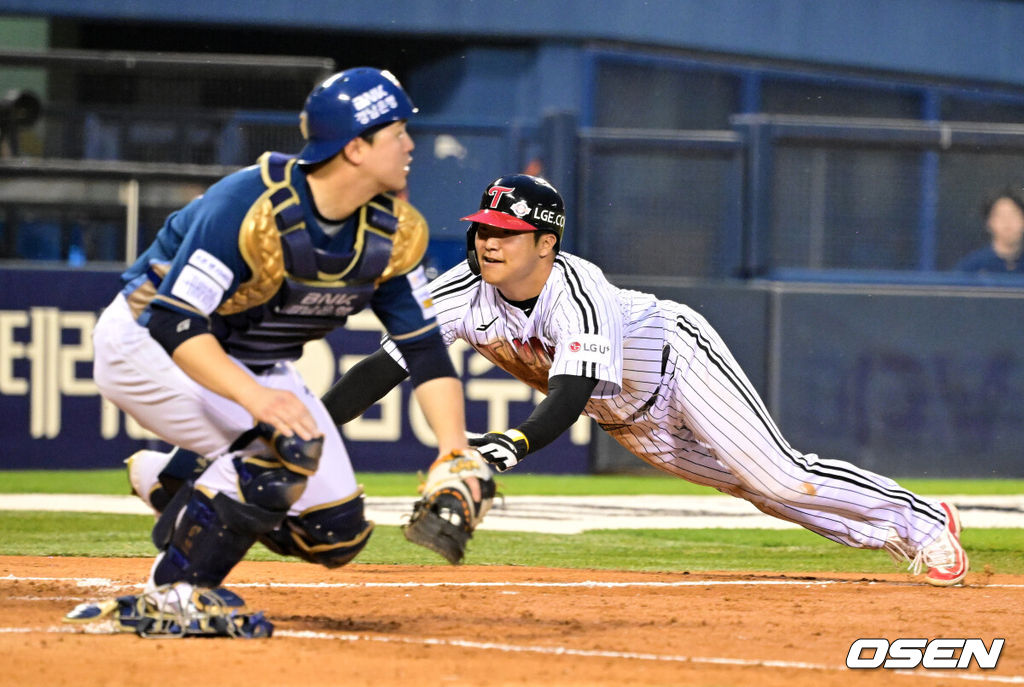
210, 259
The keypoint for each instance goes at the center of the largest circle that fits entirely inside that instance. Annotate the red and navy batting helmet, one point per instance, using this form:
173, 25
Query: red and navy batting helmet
516, 202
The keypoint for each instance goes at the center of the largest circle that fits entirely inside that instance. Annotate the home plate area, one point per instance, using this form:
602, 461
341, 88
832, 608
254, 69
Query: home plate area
569, 514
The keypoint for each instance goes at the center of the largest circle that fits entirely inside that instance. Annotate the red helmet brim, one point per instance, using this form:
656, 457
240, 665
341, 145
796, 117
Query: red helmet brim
500, 220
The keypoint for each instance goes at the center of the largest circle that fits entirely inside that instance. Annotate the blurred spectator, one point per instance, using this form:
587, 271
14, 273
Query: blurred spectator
1004, 219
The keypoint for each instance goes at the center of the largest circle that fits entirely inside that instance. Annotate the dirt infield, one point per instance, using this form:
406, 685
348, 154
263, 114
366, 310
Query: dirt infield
421, 625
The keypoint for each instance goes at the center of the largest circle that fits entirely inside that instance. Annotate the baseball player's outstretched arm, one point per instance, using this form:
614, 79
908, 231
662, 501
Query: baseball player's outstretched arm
364, 384
567, 396
566, 399
374, 376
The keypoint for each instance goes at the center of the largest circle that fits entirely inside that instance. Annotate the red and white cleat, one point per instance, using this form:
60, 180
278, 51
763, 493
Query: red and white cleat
945, 557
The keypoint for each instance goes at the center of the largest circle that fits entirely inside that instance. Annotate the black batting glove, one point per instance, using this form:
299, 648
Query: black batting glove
503, 450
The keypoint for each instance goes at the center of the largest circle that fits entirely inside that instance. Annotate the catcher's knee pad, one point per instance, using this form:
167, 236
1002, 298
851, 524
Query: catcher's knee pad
203, 537
331, 535
295, 453
265, 482
277, 480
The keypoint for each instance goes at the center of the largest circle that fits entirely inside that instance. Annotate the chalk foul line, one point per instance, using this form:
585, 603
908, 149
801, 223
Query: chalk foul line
565, 651
108, 584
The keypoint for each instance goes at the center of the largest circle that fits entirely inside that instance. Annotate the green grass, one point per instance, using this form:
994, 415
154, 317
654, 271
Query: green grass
402, 484
89, 534
78, 534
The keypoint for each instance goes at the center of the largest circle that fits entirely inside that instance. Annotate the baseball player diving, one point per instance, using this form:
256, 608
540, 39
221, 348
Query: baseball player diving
652, 373
198, 344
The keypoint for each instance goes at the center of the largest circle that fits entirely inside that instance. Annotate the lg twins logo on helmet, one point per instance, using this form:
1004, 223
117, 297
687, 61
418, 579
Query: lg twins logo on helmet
496, 192
371, 104
521, 208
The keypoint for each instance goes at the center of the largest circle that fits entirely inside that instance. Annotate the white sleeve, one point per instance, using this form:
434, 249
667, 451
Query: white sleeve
586, 325
391, 349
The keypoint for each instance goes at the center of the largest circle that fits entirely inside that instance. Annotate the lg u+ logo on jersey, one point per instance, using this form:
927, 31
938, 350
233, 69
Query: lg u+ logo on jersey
946, 653
589, 348
576, 347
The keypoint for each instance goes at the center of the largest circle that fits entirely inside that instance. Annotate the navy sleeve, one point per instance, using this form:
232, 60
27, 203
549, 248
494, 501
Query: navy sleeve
405, 307
171, 327
427, 358
208, 265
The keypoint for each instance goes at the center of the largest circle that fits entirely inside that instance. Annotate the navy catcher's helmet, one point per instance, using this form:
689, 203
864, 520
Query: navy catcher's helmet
347, 104
517, 202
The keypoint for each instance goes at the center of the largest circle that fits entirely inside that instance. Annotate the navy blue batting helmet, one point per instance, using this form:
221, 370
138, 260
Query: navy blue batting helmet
347, 104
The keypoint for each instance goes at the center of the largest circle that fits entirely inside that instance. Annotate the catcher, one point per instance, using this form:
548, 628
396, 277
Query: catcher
198, 347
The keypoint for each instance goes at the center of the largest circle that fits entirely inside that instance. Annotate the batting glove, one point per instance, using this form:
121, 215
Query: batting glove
503, 450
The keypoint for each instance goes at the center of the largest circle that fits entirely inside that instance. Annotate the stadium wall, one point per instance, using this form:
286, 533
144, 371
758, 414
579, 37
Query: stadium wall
908, 382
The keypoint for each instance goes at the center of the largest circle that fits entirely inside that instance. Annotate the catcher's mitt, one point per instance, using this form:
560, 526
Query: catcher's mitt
457, 493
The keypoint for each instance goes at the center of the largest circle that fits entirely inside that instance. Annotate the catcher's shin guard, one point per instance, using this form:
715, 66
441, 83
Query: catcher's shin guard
183, 467
156, 477
204, 537
330, 535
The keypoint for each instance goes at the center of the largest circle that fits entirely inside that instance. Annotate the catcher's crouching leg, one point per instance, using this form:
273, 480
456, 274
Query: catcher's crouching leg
330, 535
203, 536
458, 492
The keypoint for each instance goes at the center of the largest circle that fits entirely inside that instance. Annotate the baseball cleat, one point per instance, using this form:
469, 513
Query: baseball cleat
945, 557
176, 611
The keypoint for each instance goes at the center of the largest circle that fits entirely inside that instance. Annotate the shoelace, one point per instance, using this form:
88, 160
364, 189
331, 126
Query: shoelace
177, 615
938, 554
171, 611
897, 549
917, 562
